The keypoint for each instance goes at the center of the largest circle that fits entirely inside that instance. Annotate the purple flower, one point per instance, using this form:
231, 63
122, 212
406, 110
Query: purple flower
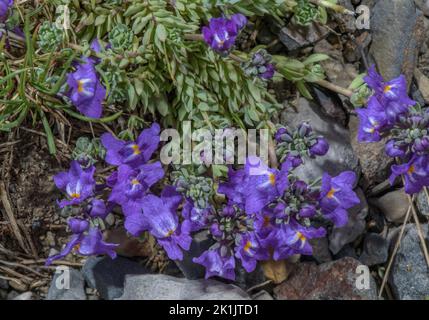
283, 134
415, 173
372, 121
239, 20
392, 95
235, 187
320, 148
217, 264
269, 72
292, 238
86, 91
77, 225
336, 195
85, 243
133, 184
98, 209
394, 90
77, 183
221, 33
260, 186
393, 149
249, 251
5, 5
197, 217
159, 217
132, 153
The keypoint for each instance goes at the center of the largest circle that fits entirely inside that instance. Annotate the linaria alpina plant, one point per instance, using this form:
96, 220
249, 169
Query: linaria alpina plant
390, 112
267, 213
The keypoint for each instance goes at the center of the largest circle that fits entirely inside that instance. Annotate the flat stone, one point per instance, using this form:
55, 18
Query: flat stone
321, 251
394, 205
373, 160
422, 203
24, 296
334, 280
398, 32
163, 287
108, 275
409, 277
262, 295
62, 288
375, 250
340, 156
296, 37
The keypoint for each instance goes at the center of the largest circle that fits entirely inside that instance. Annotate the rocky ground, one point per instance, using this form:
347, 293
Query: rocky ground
397, 42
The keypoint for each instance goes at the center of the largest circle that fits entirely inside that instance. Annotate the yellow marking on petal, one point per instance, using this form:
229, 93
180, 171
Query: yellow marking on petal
80, 84
272, 178
136, 149
169, 233
387, 89
247, 246
135, 182
75, 195
301, 236
76, 247
331, 193
266, 221
371, 130
411, 169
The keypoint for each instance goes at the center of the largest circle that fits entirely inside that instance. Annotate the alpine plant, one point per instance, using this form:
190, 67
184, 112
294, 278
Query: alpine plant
266, 213
390, 113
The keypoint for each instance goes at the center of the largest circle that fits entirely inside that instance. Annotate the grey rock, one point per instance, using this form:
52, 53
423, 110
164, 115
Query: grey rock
246, 280
394, 205
373, 160
340, 156
108, 275
346, 251
295, 37
347, 22
75, 291
262, 295
397, 31
334, 280
24, 296
331, 104
321, 251
422, 203
163, 287
12, 295
4, 284
409, 277
375, 250
337, 71
201, 242
423, 5
354, 227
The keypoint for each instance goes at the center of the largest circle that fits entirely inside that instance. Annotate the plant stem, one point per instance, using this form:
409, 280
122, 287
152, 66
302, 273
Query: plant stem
333, 6
395, 250
333, 87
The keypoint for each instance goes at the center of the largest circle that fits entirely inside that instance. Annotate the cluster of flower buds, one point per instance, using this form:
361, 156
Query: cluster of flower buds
88, 151
390, 112
259, 65
197, 189
299, 143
